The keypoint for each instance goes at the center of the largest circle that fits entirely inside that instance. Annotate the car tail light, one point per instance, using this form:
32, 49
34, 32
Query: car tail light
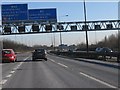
12, 57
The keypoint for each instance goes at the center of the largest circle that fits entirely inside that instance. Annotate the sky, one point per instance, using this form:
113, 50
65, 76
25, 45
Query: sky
96, 10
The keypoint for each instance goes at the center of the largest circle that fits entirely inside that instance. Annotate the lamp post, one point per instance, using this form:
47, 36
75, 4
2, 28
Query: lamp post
60, 31
54, 41
118, 59
85, 26
60, 38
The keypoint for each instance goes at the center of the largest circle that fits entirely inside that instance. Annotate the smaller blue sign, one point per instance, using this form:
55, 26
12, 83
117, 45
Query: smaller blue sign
43, 14
14, 12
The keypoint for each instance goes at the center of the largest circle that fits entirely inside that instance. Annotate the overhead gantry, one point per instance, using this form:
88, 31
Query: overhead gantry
32, 27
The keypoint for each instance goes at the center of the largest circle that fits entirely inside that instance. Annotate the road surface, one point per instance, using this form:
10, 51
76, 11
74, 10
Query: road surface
57, 72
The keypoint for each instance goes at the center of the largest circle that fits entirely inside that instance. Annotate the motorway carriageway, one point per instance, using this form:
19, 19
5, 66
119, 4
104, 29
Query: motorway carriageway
57, 72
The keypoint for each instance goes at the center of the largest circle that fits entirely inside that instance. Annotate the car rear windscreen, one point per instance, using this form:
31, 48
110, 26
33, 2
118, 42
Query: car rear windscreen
6, 51
40, 50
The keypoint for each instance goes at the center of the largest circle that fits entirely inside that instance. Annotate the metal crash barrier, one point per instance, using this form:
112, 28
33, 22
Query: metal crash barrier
88, 55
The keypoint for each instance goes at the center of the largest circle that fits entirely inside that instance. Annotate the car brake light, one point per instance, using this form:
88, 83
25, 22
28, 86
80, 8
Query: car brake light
12, 57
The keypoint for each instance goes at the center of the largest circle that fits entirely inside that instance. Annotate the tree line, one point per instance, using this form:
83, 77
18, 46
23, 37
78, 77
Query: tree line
112, 41
18, 47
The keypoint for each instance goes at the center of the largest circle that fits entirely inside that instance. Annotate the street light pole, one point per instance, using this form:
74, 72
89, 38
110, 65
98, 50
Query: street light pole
118, 59
61, 33
54, 41
60, 38
85, 26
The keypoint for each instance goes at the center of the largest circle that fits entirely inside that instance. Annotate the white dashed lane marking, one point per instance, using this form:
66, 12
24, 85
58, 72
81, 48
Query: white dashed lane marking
88, 76
3, 82
16, 68
52, 60
11, 73
59, 63
62, 65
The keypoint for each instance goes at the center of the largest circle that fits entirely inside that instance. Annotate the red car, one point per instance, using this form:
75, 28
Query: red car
8, 55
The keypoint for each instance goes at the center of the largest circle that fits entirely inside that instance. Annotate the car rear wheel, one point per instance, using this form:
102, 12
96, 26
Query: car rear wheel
45, 59
16, 60
13, 61
33, 59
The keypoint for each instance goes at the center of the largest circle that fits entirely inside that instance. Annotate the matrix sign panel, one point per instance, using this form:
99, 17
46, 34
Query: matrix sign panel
43, 14
14, 12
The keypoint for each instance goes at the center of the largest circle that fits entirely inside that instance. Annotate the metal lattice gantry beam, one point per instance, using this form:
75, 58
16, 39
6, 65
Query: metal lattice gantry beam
31, 27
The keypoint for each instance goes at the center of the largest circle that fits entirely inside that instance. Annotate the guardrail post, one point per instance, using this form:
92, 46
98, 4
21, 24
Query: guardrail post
118, 58
104, 57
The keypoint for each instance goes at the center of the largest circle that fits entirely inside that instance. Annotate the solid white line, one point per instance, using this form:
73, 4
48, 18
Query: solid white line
9, 75
3, 82
102, 82
63, 65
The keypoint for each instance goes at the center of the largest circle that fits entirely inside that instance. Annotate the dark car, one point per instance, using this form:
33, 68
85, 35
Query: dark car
8, 55
103, 50
39, 54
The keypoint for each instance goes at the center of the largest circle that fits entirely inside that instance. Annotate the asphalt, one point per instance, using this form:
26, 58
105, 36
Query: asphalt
105, 63
94, 61
57, 72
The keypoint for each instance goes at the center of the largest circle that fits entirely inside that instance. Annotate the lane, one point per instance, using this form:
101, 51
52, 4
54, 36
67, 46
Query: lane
8, 69
103, 73
42, 74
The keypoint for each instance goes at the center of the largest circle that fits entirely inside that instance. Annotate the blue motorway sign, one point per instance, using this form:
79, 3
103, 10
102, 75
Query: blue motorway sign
14, 12
43, 14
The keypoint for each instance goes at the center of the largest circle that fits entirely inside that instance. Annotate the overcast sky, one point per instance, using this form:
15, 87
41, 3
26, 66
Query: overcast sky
95, 11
